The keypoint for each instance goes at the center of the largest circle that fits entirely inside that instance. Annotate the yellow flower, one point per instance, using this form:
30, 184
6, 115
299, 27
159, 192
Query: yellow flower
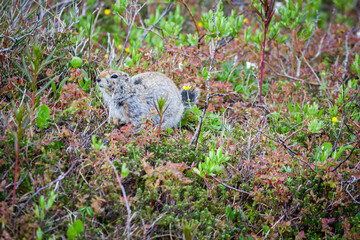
186, 87
127, 50
200, 24
245, 20
105, 56
121, 46
107, 11
334, 119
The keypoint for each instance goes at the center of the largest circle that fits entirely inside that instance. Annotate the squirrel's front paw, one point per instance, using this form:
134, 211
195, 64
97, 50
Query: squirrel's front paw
117, 122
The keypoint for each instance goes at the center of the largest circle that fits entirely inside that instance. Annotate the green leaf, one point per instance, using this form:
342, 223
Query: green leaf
120, 6
124, 171
356, 64
43, 116
42, 201
47, 85
42, 214
51, 200
78, 226
337, 154
266, 228
37, 212
39, 234
53, 87
229, 213
196, 171
71, 233
326, 149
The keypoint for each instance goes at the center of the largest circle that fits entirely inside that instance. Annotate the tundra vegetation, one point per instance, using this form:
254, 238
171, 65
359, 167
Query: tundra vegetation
271, 151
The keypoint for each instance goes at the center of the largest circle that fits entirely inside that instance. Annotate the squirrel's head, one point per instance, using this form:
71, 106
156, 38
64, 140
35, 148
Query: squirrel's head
108, 79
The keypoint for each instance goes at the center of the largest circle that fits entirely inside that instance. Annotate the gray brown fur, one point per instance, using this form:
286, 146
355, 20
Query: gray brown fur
132, 99
107, 84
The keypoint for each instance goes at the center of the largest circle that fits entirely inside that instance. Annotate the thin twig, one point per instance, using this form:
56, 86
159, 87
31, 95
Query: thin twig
319, 50
148, 231
285, 75
61, 177
347, 158
312, 70
312, 33
274, 225
192, 16
146, 31
347, 55
195, 138
341, 126
218, 95
287, 148
18, 39
129, 32
232, 188
266, 16
127, 205
347, 190
86, 139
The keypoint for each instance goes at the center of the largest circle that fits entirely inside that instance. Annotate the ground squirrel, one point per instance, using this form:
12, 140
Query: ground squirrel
133, 99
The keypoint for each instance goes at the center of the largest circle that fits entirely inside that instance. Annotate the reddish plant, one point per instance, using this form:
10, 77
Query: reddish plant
265, 15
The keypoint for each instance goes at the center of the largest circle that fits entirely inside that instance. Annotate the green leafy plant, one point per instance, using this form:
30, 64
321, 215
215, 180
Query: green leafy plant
134, 60
43, 117
43, 206
124, 171
225, 26
315, 125
22, 123
86, 211
213, 163
326, 148
120, 6
34, 55
189, 228
161, 109
97, 144
265, 14
298, 150
173, 25
85, 81
75, 229
356, 64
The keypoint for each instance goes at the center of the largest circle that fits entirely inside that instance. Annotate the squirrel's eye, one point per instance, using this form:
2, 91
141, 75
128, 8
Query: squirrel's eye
114, 76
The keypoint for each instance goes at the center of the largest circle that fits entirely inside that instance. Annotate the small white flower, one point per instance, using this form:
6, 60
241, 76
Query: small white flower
250, 65
358, 34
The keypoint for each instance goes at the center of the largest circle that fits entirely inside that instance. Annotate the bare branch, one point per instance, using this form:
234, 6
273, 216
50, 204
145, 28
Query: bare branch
347, 55
61, 177
274, 226
146, 31
195, 138
127, 205
232, 188
135, 9
347, 189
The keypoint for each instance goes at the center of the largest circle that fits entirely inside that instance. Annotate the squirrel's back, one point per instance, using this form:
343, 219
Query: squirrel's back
154, 85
